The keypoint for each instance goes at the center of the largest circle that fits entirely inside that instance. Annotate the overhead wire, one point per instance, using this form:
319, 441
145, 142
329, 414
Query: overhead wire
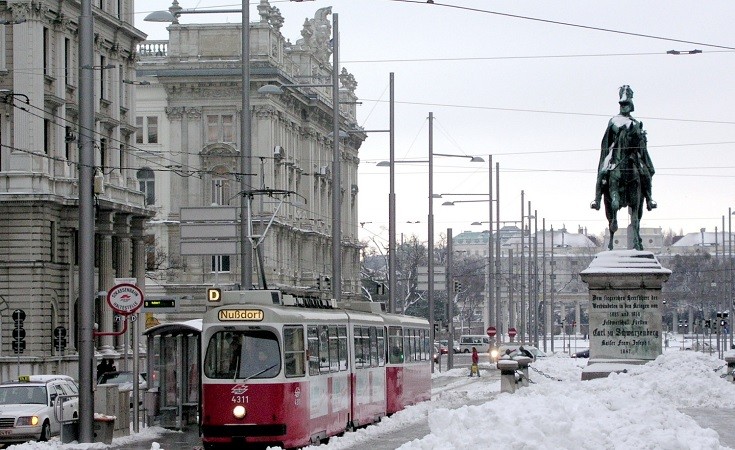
558, 22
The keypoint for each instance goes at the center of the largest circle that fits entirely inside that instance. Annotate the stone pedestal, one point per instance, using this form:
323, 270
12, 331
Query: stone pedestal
625, 310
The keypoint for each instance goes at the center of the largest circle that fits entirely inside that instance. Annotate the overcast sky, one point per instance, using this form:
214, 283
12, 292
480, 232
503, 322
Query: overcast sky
533, 84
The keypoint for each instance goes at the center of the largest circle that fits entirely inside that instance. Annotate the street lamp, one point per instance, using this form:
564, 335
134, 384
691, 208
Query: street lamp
430, 244
246, 151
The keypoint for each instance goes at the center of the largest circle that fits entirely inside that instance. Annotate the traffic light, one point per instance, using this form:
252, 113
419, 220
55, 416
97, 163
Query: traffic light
457, 286
707, 323
19, 333
60, 338
327, 283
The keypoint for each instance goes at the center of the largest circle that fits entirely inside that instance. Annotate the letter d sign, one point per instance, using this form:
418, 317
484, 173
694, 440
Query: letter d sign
214, 294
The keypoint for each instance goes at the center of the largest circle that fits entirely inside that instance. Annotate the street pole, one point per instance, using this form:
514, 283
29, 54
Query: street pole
551, 301
543, 282
497, 268
522, 324
86, 221
511, 313
450, 298
336, 169
392, 266
492, 318
535, 278
729, 257
246, 160
430, 243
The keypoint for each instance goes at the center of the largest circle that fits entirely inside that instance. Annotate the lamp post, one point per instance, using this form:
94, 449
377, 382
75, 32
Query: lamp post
392, 265
492, 314
172, 16
430, 244
86, 221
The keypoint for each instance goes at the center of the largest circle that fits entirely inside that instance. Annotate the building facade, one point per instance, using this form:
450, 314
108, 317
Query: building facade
39, 189
190, 120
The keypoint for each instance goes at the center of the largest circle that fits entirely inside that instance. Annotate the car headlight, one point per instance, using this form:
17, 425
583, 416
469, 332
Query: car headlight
239, 412
494, 354
28, 421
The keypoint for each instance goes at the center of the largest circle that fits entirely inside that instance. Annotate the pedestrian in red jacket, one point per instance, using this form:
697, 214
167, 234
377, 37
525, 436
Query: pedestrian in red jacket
475, 368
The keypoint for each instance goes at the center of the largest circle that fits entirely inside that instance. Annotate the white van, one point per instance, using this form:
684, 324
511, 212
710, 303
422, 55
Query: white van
480, 341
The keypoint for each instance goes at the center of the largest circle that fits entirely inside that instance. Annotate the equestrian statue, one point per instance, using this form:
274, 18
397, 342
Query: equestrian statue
625, 170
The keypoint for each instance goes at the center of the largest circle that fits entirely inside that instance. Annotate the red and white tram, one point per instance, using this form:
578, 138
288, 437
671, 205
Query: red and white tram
284, 370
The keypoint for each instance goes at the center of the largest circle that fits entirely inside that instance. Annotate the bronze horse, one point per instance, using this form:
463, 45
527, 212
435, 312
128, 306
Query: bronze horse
624, 185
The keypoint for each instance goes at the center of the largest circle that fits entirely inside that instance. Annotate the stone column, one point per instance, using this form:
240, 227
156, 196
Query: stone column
138, 258
123, 262
577, 317
105, 224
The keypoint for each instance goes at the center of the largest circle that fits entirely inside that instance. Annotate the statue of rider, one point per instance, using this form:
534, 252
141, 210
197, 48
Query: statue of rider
623, 122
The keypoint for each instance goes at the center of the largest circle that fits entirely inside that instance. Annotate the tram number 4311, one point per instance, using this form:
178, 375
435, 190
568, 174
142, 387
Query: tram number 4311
240, 399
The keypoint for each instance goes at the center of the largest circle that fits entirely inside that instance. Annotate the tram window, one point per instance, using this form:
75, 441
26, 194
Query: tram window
381, 347
313, 340
395, 342
342, 333
373, 347
333, 349
243, 355
359, 350
323, 349
293, 349
423, 341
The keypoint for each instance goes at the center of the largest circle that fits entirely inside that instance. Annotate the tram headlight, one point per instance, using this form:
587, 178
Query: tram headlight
239, 412
494, 353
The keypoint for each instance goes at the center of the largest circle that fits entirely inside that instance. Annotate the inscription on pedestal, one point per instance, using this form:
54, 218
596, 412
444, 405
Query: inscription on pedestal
625, 324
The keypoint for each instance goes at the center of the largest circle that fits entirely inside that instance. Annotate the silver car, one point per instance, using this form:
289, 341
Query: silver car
35, 406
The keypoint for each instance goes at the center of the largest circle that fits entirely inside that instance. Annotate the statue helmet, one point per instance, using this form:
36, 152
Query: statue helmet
626, 94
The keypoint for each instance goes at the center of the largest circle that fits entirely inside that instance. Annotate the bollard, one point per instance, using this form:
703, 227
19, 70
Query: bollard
507, 368
730, 360
523, 362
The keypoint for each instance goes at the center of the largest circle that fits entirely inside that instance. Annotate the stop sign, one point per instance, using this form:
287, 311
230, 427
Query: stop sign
491, 331
512, 332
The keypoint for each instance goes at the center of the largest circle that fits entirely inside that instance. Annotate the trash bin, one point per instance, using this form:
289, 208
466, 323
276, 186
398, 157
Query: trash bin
104, 427
69, 432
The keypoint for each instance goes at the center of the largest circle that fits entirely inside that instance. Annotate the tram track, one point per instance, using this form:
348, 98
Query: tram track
407, 425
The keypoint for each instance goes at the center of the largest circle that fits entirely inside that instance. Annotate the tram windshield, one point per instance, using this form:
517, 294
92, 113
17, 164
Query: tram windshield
241, 355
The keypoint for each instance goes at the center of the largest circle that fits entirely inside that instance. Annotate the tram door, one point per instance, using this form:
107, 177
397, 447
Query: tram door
175, 364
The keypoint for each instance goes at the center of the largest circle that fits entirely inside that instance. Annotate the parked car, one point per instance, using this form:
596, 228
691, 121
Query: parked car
27, 407
124, 381
514, 350
582, 354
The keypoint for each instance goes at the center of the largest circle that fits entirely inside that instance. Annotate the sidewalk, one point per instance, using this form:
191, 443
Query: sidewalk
720, 420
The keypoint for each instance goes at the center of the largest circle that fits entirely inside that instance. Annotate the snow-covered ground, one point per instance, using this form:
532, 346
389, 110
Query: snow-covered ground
640, 409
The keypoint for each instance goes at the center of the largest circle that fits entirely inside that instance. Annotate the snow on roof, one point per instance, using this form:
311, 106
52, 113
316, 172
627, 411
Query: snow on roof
706, 239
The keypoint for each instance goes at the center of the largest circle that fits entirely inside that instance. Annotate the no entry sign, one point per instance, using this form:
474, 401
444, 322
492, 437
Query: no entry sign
491, 331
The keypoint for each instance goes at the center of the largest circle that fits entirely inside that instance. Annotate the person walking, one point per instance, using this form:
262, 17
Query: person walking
475, 368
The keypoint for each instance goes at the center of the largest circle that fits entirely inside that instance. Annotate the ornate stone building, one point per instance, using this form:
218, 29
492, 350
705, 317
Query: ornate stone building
190, 121
39, 188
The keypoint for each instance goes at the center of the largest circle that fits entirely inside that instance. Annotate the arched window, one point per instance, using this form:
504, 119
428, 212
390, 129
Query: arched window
146, 185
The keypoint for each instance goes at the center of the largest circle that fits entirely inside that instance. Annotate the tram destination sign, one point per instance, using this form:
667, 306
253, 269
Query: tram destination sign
248, 315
